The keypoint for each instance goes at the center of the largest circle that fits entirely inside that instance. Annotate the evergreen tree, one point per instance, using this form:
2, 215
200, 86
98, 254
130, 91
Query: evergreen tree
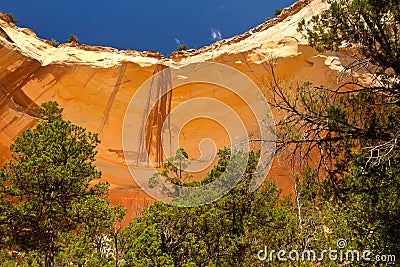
49, 190
353, 181
368, 25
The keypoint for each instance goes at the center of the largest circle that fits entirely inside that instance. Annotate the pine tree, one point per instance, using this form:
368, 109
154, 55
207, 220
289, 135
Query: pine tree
49, 188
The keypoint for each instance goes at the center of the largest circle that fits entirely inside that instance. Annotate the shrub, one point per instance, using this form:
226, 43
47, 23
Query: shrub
10, 17
277, 12
73, 39
267, 19
183, 47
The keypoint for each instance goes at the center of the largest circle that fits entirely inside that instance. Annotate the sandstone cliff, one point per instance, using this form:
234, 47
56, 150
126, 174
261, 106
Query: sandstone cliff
95, 84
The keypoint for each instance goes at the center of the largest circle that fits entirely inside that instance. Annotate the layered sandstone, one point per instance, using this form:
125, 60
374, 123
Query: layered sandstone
95, 84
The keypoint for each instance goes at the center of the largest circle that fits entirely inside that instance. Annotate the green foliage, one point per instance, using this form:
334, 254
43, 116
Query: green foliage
277, 12
173, 172
183, 47
372, 26
47, 189
10, 17
73, 39
227, 232
369, 200
361, 208
267, 19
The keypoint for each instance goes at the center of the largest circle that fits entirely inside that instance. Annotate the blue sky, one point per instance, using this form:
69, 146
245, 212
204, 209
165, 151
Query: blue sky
141, 25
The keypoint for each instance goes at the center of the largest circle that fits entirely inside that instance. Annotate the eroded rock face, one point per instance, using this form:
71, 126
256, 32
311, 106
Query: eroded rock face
94, 86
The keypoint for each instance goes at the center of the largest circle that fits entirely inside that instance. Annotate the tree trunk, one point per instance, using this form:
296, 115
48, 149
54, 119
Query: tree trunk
297, 193
116, 248
49, 256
